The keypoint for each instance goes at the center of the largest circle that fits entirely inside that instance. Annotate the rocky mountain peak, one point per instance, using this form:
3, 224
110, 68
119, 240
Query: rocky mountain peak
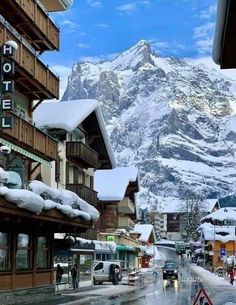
133, 58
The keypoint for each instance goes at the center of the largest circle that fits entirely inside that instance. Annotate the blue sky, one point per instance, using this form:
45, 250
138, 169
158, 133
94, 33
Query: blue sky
97, 29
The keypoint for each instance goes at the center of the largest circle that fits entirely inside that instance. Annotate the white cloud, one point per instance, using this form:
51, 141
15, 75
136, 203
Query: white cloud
83, 46
101, 25
209, 13
146, 2
69, 26
162, 46
94, 3
203, 36
127, 8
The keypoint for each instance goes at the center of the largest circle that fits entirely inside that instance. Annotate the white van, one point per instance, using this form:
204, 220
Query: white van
102, 272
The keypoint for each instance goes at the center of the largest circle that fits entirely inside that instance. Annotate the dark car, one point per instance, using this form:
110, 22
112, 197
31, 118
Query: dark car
170, 271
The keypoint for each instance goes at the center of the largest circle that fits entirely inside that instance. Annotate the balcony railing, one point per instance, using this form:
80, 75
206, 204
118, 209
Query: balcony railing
83, 192
32, 22
90, 234
57, 5
125, 223
27, 136
32, 78
81, 154
126, 206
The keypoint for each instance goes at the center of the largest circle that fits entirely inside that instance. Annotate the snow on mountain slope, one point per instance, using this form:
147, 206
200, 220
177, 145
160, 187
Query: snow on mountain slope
172, 119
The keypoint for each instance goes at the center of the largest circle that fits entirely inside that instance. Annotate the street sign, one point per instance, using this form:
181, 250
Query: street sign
222, 252
202, 298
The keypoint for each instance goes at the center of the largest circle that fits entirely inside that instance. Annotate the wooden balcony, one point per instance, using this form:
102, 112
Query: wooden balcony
90, 234
25, 135
56, 5
81, 154
125, 223
32, 22
126, 206
32, 78
83, 192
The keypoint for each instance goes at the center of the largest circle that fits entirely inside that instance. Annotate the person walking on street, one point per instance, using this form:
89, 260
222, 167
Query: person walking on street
231, 276
74, 275
59, 273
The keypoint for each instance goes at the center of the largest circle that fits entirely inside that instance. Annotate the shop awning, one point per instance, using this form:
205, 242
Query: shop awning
24, 152
125, 248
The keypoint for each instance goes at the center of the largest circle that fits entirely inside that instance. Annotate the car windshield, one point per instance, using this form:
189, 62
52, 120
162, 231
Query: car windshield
170, 266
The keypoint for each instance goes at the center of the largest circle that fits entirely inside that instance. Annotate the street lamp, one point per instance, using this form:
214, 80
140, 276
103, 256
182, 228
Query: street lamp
5, 150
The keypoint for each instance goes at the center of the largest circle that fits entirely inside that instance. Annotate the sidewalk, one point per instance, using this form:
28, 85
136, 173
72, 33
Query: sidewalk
211, 279
88, 294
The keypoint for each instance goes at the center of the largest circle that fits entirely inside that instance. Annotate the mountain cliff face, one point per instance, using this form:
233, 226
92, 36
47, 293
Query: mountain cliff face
173, 120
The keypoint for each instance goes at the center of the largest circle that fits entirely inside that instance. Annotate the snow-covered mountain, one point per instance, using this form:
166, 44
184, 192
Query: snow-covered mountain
173, 120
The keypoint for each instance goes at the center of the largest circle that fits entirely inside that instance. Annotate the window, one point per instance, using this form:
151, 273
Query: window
98, 266
42, 252
4, 252
23, 252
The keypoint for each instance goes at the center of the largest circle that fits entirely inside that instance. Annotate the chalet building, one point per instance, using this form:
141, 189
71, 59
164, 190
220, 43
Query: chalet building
145, 234
29, 218
84, 147
218, 236
117, 206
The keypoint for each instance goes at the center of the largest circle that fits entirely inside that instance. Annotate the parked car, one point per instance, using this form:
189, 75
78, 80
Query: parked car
170, 270
107, 271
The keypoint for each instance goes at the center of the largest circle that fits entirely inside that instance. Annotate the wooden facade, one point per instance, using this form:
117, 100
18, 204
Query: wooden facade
27, 259
44, 35
32, 78
27, 136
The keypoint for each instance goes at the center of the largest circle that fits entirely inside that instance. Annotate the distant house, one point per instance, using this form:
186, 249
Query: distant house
170, 221
218, 235
147, 238
117, 206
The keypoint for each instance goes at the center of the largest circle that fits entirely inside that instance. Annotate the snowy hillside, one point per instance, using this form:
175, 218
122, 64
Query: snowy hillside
171, 119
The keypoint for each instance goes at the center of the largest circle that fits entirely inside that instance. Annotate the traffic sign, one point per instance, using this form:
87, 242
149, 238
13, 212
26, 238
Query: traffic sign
202, 298
222, 252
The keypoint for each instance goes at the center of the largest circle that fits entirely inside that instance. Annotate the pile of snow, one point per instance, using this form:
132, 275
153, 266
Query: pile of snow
221, 215
99, 244
41, 197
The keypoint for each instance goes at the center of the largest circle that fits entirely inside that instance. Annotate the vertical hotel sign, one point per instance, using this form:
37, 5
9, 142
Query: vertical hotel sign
7, 84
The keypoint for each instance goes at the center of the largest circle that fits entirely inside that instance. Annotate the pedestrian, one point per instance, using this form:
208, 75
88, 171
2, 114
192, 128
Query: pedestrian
74, 276
59, 273
231, 276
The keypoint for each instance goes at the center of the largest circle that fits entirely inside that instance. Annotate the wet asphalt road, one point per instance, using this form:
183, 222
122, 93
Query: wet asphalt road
178, 292
181, 292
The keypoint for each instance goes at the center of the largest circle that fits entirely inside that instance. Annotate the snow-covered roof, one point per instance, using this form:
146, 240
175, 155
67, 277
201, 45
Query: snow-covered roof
111, 184
41, 197
222, 214
68, 115
221, 233
145, 230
